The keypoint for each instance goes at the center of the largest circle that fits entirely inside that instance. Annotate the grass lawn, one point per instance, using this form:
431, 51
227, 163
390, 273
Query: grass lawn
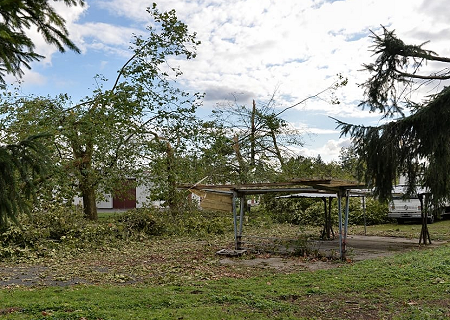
180, 278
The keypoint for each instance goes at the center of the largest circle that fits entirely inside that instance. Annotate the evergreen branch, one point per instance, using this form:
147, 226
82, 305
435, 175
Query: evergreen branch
423, 77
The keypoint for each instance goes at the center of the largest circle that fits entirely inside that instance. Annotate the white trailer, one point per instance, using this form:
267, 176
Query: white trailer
409, 208
404, 209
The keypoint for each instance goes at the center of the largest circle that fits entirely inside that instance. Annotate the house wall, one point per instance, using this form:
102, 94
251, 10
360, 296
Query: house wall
107, 203
141, 196
142, 199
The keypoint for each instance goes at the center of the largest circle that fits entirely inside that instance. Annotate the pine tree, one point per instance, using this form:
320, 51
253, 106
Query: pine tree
22, 165
417, 142
16, 47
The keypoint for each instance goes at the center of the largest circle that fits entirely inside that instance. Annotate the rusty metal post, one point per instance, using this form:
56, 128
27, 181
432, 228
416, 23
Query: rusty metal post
324, 234
329, 216
327, 226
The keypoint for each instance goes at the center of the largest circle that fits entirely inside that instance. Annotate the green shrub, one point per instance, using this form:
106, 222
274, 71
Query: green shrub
58, 222
310, 211
259, 216
194, 222
376, 213
66, 227
15, 240
141, 221
314, 214
46, 230
286, 210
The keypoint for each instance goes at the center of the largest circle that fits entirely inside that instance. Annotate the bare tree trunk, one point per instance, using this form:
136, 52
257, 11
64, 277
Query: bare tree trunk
240, 159
252, 136
277, 149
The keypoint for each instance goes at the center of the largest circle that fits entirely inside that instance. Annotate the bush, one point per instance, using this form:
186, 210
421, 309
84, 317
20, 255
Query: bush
376, 213
286, 210
141, 221
314, 215
194, 222
310, 211
47, 230
58, 222
39, 231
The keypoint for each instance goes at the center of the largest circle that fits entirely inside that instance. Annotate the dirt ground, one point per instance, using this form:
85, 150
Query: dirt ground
361, 247
198, 262
358, 248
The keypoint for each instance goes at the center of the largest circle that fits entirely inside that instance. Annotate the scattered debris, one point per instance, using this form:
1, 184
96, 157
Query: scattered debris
231, 252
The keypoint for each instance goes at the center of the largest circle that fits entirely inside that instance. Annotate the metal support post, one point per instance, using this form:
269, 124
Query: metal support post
347, 205
242, 206
233, 204
424, 233
364, 213
339, 203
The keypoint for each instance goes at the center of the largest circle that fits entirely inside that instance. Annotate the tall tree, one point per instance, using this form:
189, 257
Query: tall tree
257, 133
349, 163
417, 142
170, 155
102, 138
314, 167
262, 138
16, 46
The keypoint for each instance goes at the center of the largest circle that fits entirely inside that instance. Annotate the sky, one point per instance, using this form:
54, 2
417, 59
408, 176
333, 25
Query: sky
250, 49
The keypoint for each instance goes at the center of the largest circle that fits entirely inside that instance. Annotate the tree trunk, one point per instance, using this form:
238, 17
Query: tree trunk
253, 137
89, 203
87, 184
240, 159
277, 149
171, 178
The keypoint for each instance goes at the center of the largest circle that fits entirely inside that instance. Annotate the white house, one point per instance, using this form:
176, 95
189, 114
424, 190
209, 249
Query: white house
134, 197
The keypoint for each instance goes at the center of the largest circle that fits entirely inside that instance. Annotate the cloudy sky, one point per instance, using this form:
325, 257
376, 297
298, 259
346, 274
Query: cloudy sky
250, 49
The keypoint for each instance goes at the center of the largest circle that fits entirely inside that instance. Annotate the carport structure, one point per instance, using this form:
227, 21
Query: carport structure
232, 198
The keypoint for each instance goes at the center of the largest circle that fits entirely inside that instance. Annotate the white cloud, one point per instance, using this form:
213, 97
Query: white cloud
256, 46
34, 78
328, 152
253, 47
106, 37
30, 77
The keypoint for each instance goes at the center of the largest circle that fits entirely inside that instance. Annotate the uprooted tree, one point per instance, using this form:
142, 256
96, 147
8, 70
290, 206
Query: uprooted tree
417, 142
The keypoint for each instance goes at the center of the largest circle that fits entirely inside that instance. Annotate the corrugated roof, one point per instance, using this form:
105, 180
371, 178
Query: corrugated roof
295, 185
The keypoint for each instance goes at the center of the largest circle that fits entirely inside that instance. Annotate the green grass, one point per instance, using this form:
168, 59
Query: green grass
180, 278
107, 216
439, 231
415, 285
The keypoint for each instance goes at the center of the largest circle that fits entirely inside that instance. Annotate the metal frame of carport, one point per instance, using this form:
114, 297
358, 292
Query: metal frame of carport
327, 230
339, 187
